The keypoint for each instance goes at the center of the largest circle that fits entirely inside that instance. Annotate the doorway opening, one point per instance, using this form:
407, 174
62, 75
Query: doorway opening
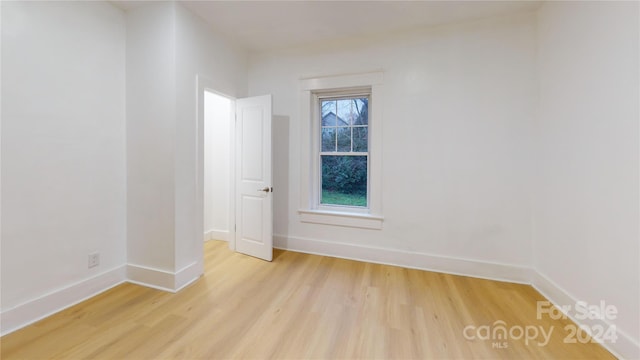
218, 167
234, 183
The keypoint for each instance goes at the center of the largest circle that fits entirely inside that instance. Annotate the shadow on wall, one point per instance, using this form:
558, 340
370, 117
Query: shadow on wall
280, 141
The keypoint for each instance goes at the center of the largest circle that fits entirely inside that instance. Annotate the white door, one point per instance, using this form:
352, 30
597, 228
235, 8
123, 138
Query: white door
253, 177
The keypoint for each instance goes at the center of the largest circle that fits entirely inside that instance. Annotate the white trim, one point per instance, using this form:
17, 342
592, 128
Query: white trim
216, 235
407, 259
187, 275
203, 84
48, 304
231, 236
311, 89
364, 221
306, 159
162, 279
150, 277
342, 81
316, 146
376, 115
624, 347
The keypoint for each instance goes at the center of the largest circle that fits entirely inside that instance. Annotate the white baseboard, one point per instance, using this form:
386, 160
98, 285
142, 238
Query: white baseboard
217, 235
421, 261
151, 277
162, 279
58, 300
29, 312
624, 347
187, 275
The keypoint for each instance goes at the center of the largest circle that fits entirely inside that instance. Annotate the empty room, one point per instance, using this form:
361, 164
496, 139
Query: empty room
320, 179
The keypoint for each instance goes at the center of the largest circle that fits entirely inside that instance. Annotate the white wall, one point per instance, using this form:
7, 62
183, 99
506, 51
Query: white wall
63, 147
167, 49
99, 148
217, 166
151, 128
460, 101
201, 52
587, 209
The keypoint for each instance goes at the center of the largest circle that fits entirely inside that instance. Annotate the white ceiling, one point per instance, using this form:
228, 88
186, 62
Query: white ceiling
263, 25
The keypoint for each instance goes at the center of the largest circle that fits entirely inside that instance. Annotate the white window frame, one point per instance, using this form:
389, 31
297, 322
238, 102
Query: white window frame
311, 211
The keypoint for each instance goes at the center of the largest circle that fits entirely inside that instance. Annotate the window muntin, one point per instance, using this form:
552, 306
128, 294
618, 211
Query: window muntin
344, 151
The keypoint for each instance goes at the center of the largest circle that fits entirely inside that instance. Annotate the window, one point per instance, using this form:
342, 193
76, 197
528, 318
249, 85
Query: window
344, 151
341, 151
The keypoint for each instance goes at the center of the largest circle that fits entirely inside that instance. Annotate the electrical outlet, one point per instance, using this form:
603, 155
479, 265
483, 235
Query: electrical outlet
94, 260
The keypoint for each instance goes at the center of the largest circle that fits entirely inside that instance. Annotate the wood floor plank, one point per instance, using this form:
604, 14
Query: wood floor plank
297, 307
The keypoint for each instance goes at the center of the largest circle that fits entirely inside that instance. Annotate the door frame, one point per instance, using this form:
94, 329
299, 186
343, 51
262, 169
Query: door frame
205, 84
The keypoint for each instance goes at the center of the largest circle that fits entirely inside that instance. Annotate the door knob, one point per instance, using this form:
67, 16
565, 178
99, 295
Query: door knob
266, 189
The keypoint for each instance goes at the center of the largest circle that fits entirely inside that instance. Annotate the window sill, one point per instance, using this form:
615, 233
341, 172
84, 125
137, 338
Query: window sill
364, 221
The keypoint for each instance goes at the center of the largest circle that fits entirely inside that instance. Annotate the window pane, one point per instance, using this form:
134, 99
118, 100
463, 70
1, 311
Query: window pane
361, 139
329, 113
328, 139
344, 139
344, 180
345, 113
361, 109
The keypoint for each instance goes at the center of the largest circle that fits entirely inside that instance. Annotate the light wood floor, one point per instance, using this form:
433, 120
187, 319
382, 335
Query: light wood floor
298, 306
